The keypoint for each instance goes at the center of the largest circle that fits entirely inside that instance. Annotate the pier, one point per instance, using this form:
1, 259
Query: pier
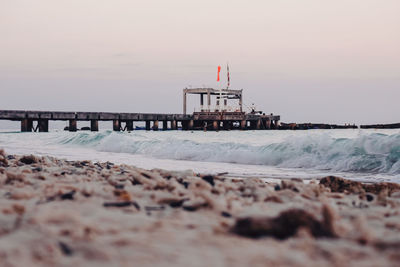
39, 120
209, 117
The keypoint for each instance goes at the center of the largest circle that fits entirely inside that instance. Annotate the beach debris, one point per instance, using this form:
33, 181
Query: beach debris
3, 160
109, 165
60, 195
119, 186
286, 225
226, 214
14, 177
37, 169
291, 185
369, 197
68, 196
174, 202
65, 249
209, 179
338, 184
123, 194
193, 205
121, 204
30, 159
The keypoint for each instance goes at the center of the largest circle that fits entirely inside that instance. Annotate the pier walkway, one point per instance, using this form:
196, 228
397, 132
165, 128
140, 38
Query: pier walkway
39, 120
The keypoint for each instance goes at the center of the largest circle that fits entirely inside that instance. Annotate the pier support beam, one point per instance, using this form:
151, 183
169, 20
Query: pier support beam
258, 124
253, 125
116, 125
43, 125
191, 124
72, 126
147, 125
185, 125
268, 124
129, 126
26, 125
155, 126
215, 125
243, 124
227, 125
165, 125
174, 125
94, 125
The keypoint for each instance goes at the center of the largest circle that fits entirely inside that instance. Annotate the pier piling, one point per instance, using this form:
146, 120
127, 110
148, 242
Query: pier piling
174, 125
26, 125
43, 125
191, 124
155, 125
129, 126
72, 126
116, 125
215, 125
243, 124
94, 125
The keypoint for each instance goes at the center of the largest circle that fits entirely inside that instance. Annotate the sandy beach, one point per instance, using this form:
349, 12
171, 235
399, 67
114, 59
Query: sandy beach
55, 212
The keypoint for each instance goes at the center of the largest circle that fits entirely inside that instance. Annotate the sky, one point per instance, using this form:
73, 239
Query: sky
308, 61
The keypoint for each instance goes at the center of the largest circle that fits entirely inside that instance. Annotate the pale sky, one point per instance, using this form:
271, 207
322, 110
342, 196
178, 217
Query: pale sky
309, 61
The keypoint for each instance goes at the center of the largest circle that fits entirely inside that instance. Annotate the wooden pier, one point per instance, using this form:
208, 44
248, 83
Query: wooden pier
218, 117
39, 120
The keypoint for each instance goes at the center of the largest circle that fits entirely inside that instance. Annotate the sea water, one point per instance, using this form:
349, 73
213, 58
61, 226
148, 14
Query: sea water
367, 155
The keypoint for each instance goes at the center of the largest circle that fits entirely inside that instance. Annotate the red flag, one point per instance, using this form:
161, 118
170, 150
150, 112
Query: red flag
219, 70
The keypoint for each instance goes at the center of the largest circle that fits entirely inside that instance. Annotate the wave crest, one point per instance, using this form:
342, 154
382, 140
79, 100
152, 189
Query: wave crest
372, 153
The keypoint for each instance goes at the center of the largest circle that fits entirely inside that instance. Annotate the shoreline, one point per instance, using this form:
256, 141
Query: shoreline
361, 155
59, 212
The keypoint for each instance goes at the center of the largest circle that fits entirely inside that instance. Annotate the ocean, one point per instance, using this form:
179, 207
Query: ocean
364, 155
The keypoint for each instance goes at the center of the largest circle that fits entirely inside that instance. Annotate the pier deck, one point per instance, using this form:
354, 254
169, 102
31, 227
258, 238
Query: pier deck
125, 121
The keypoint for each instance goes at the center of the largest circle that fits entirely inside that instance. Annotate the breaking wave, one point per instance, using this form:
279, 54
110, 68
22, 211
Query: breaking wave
367, 152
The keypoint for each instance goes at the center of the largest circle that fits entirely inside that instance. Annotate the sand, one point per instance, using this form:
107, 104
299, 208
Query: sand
55, 212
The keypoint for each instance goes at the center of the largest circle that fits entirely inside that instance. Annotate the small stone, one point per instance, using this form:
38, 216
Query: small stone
68, 196
118, 204
37, 169
65, 249
285, 225
3, 161
176, 204
226, 214
209, 179
370, 197
28, 159
119, 186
